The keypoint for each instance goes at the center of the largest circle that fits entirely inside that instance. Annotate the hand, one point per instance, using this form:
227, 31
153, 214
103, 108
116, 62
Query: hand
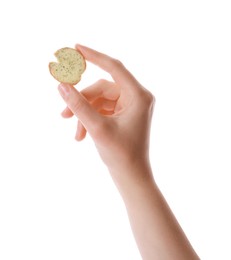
117, 115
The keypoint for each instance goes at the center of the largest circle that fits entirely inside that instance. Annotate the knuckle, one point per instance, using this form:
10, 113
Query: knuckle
101, 82
146, 102
116, 65
151, 98
76, 105
148, 98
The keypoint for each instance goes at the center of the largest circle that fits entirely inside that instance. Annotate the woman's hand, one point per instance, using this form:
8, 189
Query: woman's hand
117, 115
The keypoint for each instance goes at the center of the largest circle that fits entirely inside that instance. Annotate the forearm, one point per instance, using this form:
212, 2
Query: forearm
156, 230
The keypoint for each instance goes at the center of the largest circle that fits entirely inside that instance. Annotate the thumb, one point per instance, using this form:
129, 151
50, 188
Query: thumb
80, 107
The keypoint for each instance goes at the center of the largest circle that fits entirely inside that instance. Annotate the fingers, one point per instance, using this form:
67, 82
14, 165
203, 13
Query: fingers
67, 113
102, 88
107, 106
102, 94
80, 107
80, 132
104, 105
114, 67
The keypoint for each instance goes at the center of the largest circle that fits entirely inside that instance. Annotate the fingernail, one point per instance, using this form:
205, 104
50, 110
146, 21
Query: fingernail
63, 90
80, 47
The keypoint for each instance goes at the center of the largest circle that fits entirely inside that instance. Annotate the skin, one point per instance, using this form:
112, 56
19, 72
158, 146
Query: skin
117, 115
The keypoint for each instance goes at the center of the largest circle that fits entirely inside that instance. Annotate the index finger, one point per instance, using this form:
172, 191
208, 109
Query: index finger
113, 66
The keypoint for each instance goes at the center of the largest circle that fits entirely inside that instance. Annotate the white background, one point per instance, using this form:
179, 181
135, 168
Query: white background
57, 200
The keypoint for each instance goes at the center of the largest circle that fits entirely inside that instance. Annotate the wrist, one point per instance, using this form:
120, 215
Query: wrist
131, 177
